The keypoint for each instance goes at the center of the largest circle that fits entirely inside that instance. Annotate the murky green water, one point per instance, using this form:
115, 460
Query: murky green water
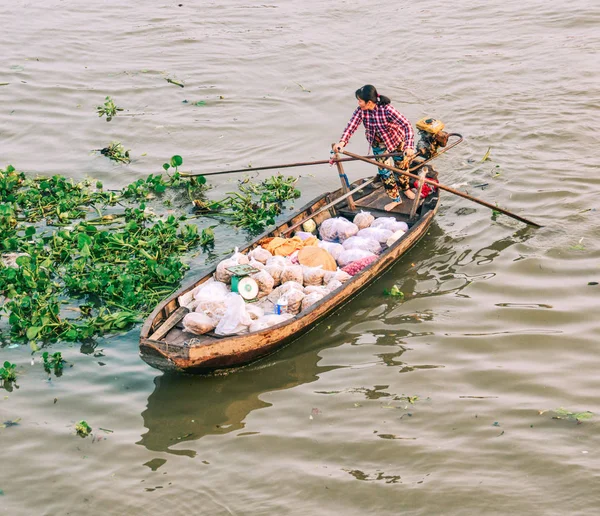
440, 404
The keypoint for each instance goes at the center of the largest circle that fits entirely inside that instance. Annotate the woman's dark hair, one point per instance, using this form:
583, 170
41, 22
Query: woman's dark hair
369, 92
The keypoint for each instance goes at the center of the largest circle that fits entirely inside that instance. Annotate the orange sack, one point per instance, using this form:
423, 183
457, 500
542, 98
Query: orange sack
313, 256
278, 246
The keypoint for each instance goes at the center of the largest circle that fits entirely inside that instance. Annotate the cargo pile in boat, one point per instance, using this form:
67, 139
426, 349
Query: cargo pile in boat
290, 275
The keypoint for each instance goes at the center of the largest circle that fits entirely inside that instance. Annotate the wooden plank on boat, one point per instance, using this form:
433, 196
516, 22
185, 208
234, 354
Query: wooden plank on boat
178, 337
378, 199
170, 323
418, 199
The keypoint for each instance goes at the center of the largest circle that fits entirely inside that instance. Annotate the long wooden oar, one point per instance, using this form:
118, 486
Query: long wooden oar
286, 165
443, 187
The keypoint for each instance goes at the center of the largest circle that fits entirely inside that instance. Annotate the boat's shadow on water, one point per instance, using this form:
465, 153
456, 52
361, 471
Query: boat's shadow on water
186, 407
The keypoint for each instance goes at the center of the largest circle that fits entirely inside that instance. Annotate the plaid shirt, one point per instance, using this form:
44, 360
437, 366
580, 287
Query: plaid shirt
384, 123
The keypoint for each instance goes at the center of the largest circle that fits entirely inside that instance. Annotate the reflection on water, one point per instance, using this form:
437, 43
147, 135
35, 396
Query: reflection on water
435, 267
186, 408
445, 260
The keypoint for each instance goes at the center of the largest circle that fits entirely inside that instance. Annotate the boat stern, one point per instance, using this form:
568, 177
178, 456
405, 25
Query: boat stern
164, 356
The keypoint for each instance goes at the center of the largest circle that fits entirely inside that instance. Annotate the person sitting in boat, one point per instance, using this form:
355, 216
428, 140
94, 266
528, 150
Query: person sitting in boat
428, 188
387, 130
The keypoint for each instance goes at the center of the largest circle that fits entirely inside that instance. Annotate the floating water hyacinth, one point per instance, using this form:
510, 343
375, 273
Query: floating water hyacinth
112, 276
83, 429
254, 205
109, 109
68, 242
116, 152
562, 413
8, 372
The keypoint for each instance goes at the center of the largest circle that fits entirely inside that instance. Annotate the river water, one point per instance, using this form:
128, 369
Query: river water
443, 403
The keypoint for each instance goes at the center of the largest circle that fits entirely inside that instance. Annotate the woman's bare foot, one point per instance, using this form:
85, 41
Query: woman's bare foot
409, 193
390, 206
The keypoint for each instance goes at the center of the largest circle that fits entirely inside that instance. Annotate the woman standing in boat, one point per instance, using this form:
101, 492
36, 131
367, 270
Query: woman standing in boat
387, 130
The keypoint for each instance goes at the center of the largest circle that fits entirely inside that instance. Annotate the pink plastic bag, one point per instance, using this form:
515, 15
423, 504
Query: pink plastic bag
358, 265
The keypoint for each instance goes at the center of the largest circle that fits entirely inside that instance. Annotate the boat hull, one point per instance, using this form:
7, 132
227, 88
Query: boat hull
176, 352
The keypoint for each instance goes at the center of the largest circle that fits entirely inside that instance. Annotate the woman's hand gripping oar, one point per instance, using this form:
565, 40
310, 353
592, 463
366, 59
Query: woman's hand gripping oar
443, 187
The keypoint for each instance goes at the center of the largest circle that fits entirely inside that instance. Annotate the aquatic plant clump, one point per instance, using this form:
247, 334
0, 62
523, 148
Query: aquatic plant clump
53, 362
77, 261
66, 276
7, 372
562, 413
109, 109
116, 152
254, 205
82, 429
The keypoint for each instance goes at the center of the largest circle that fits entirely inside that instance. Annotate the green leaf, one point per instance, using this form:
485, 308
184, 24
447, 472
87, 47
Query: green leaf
71, 335
83, 240
395, 291
562, 413
176, 161
201, 180
83, 429
30, 231
166, 166
177, 83
23, 261
32, 332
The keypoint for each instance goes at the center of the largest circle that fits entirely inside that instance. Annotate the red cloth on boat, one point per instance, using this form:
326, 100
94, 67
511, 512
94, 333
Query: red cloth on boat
427, 188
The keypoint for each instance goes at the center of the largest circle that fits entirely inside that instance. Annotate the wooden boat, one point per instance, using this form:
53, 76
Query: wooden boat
165, 345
